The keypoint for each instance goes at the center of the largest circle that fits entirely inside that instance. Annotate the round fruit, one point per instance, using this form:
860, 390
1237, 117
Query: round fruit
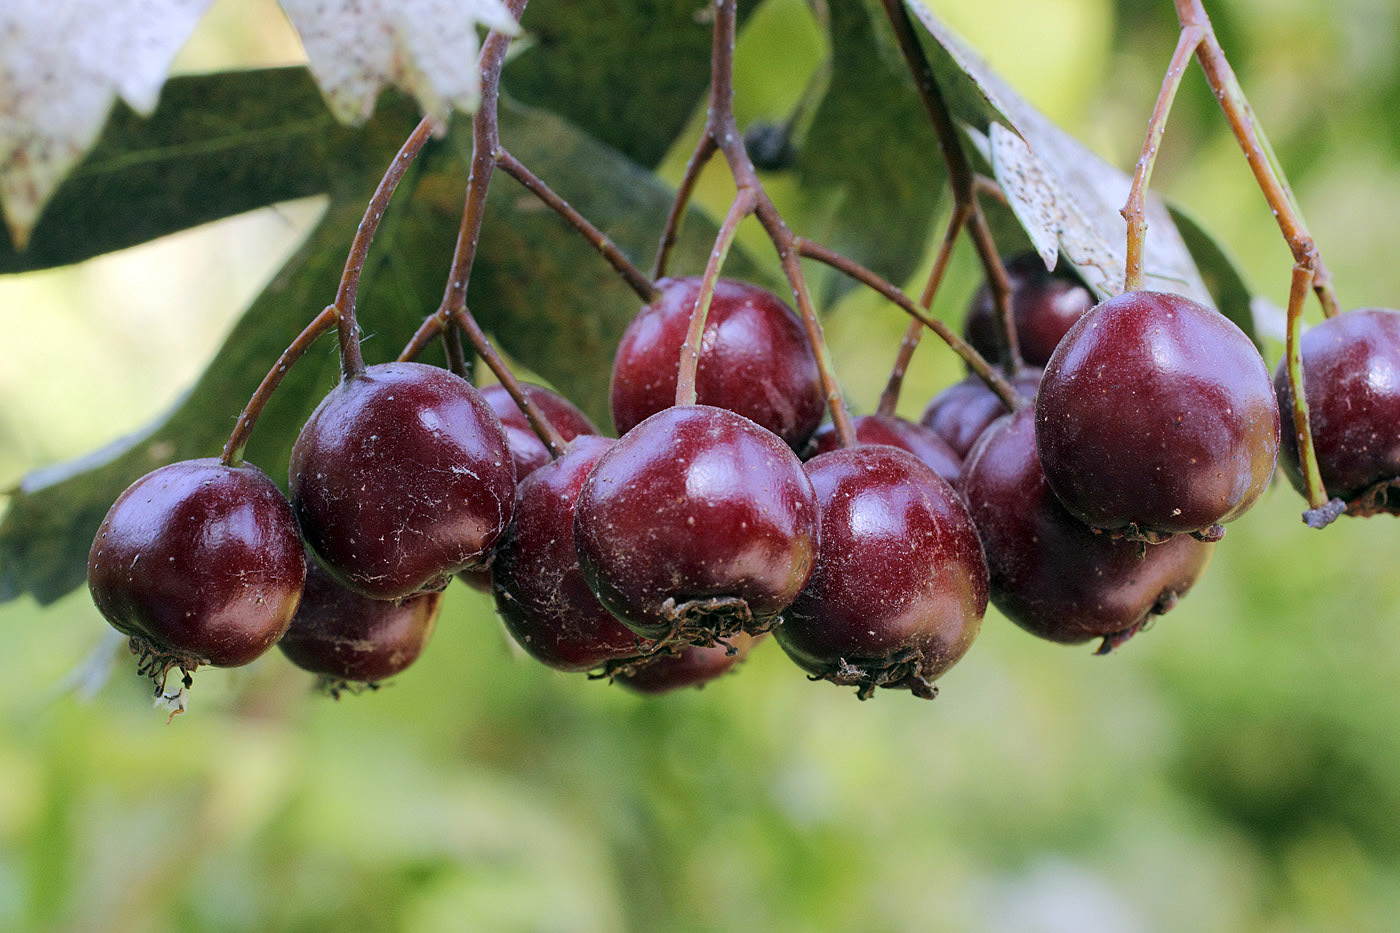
1050, 573
694, 666
1044, 306
697, 524
960, 413
351, 639
401, 478
526, 449
199, 563
1351, 370
920, 441
900, 585
754, 360
1156, 417
540, 592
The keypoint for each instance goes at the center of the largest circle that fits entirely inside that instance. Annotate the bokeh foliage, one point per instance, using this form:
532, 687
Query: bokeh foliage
1231, 769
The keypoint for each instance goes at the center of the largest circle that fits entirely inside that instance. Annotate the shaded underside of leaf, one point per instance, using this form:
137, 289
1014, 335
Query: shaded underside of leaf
871, 141
1233, 297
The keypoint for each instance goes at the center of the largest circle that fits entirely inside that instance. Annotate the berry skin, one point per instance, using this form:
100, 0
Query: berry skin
199, 563
1044, 306
540, 592
960, 413
1156, 417
526, 449
697, 524
754, 360
920, 441
351, 639
1050, 573
401, 478
695, 666
1351, 370
901, 584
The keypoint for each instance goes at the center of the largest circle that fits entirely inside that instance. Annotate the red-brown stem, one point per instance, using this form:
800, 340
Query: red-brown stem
704, 151
424, 335
633, 276
1135, 210
352, 363
962, 180
742, 207
540, 424
975, 361
456, 357
321, 324
1257, 151
889, 399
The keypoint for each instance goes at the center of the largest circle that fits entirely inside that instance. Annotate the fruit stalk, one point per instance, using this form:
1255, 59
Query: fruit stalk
742, 207
705, 150
1320, 512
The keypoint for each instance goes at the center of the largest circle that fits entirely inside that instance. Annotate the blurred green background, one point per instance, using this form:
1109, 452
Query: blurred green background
1232, 769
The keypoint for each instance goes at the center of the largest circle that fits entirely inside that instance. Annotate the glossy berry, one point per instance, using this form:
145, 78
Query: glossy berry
960, 413
351, 639
754, 360
696, 524
400, 478
1156, 417
540, 592
1050, 573
1044, 306
1351, 371
920, 441
526, 449
694, 666
900, 585
199, 563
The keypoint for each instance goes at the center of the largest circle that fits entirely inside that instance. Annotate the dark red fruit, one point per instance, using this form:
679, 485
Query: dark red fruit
1156, 417
960, 413
694, 666
754, 360
526, 449
900, 585
199, 563
401, 478
1050, 573
697, 524
898, 432
1044, 306
351, 639
1351, 370
540, 592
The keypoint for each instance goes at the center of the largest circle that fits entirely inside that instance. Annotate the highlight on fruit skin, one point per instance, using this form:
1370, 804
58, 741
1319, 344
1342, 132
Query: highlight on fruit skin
198, 563
401, 478
1156, 416
1351, 374
900, 586
1050, 573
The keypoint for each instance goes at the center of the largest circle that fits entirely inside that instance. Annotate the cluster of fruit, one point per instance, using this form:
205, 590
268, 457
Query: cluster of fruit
657, 558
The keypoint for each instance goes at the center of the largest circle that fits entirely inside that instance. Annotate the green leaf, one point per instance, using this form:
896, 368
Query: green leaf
217, 145
871, 145
542, 290
630, 74
1233, 298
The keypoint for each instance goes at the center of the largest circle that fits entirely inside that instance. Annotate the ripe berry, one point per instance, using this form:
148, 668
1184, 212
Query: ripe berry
694, 666
199, 563
754, 360
526, 449
1044, 306
1050, 573
1351, 370
920, 441
540, 592
351, 639
1156, 417
900, 585
960, 413
401, 478
697, 524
